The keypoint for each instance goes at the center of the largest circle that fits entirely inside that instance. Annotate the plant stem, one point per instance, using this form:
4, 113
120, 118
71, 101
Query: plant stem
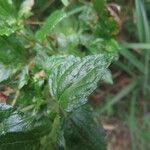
15, 98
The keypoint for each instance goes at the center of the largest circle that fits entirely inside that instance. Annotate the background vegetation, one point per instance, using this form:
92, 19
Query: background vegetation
31, 32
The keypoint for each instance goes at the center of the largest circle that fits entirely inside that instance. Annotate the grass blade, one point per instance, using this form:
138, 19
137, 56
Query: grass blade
132, 59
144, 46
144, 36
125, 91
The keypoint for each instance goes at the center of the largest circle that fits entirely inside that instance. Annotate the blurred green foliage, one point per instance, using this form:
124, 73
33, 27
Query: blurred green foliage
53, 55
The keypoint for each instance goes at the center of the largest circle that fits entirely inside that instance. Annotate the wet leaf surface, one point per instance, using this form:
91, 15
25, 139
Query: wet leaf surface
20, 131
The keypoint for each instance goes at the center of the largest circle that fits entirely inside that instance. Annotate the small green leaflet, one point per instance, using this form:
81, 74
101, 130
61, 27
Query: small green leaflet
50, 23
72, 79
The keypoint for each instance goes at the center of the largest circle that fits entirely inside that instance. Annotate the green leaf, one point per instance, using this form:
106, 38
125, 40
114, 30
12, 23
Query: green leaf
8, 18
82, 131
12, 51
100, 45
25, 10
72, 79
100, 7
50, 23
106, 27
65, 2
19, 131
24, 77
107, 78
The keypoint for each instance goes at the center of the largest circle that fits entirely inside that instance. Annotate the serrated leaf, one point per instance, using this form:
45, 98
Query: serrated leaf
107, 78
72, 79
50, 23
84, 132
19, 131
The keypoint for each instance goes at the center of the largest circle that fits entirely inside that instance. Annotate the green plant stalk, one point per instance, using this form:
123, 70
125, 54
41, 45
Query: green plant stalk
15, 98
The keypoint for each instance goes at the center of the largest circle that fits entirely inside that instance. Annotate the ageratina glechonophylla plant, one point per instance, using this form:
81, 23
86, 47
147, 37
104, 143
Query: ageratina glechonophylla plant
48, 69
